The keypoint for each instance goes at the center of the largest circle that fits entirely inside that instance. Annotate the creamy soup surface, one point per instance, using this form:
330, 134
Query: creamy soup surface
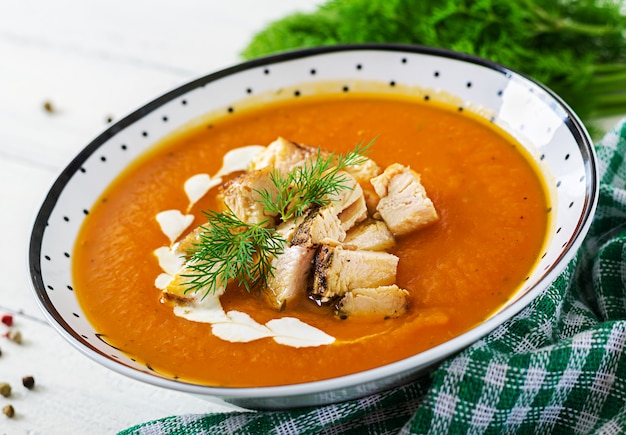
493, 218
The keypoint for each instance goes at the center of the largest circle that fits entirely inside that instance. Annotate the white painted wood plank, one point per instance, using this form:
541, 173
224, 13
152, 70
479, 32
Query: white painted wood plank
179, 36
84, 93
74, 395
95, 60
92, 60
22, 188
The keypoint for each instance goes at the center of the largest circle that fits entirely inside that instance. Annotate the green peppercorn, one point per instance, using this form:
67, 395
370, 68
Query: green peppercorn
15, 336
8, 411
5, 389
49, 107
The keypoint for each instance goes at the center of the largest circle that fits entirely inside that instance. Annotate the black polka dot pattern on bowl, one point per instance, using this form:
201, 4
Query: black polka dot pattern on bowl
426, 71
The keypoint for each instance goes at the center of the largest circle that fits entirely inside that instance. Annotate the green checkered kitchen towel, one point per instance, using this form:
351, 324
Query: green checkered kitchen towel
559, 366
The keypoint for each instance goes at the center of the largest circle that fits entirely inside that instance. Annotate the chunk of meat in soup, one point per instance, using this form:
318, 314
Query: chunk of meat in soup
385, 301
290, 275
371, 235
403, 205
282, 155
337, 270
241, 195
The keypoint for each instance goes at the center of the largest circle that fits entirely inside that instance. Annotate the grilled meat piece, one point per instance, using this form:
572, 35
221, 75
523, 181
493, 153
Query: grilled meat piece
383, 302
371, 235
241, 195
290, 276
403, 205
337, 270
319, 225
282, 155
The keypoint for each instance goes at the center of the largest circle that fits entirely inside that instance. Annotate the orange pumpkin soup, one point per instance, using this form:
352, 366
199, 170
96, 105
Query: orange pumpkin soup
492, 224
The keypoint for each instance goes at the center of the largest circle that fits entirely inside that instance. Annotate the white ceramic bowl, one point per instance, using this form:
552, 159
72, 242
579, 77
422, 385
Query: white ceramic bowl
527, 110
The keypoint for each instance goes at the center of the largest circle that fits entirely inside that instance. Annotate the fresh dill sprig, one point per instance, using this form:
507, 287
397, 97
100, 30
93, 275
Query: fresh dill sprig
229, 248
314, 184
565, 44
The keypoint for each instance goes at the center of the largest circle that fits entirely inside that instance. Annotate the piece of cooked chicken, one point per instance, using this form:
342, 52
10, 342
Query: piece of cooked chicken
289, 277
337, 270
347, 196
318, 225
355, 212
188, 243
403, 204
371, 235
330, 222
364, 171
349, 203
383, 302
178, 289
241, 195
282, 155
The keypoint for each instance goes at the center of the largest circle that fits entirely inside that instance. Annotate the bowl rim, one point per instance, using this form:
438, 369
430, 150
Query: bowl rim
402, 368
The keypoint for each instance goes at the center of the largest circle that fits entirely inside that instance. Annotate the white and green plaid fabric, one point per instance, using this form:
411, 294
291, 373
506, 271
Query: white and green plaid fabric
558, 367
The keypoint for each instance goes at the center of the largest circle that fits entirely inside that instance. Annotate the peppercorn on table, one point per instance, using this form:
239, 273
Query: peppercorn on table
68, 68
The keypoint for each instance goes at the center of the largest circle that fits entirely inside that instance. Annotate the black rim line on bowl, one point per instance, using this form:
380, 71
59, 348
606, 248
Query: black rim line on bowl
572, 122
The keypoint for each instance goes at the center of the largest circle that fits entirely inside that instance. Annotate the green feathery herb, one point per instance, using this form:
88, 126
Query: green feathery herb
314, 184
229, 248
232, 249
576, 47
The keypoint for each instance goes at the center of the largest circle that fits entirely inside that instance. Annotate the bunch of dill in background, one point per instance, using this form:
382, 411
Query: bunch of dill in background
575, 47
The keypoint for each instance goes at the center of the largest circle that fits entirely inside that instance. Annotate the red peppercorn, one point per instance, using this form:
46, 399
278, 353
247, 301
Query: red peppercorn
7, 319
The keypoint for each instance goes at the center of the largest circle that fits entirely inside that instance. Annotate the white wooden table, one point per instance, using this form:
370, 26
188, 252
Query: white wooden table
90, 61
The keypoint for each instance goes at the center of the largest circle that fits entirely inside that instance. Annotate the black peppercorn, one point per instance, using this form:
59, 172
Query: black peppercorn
28, 382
